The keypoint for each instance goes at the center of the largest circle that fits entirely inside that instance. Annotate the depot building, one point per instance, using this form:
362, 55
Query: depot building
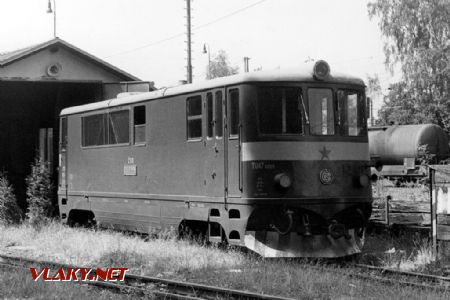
36, 83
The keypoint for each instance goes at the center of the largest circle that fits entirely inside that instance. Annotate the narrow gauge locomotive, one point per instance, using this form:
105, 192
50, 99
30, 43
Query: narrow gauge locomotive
273, 161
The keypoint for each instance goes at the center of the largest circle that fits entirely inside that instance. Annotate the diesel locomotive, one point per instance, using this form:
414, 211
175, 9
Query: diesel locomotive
277, 162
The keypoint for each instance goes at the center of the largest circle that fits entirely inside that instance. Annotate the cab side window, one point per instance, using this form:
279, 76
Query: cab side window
139, 123
194, 117
233, 108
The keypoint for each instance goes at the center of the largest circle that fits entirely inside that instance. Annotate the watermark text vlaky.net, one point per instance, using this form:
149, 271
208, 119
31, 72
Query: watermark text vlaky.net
79, 274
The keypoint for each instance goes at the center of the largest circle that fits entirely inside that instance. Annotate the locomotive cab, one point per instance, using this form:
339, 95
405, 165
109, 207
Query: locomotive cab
306, 167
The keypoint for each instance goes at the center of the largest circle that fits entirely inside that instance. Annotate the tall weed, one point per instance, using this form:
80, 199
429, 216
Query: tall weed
10, 211
39, 193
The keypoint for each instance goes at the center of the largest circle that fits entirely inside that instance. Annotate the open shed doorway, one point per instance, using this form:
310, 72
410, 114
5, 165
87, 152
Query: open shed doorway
29, 124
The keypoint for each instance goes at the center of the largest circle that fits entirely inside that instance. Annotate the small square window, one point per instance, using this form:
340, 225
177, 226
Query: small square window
139, 124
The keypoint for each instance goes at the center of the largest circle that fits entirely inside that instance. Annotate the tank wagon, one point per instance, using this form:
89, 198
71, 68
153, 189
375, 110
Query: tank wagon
401, 149
277, 162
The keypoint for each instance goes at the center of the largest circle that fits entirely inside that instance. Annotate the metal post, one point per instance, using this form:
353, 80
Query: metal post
371, 113
209, 63
49, 11
433, 214
246, 59
54, 18
208, 75
386, 210
188, 25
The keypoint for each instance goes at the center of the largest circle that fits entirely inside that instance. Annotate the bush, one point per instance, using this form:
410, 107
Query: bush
39, 193
10, 211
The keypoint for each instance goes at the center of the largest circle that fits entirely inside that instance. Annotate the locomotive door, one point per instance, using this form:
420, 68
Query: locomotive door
232, 144
214, 142
63, 158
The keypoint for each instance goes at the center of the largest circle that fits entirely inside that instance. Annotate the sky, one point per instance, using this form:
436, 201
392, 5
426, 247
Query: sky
147, 38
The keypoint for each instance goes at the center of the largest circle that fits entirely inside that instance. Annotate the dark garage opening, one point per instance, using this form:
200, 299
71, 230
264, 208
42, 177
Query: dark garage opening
29, 120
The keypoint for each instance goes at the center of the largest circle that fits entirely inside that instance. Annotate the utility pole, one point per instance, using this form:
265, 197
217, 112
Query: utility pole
208, 75
189, 58
372, 121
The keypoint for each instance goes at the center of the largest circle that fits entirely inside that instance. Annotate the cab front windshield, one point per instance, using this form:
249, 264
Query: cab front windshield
284, 111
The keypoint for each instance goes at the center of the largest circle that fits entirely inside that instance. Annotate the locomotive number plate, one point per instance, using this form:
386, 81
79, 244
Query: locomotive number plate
326, 177
130, 170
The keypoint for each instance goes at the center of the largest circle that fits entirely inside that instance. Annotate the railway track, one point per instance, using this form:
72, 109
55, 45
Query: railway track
389, 276
404, 277
151, 286
173, 289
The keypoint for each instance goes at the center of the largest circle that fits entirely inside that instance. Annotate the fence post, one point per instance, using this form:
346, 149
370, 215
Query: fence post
386, 209
433, 203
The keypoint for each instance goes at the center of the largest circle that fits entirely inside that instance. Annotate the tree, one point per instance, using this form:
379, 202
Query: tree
418, 38
219, 66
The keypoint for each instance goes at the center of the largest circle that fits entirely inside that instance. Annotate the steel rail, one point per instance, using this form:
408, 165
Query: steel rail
201, 288
389, 280
140, 290
175, 289
429, 277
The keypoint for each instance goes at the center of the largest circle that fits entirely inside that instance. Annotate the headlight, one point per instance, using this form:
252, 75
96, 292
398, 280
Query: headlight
321, 70
283, 180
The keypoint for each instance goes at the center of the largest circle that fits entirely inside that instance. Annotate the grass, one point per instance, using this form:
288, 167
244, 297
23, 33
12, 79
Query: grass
102, 248
187, 260
17, 284
404, 250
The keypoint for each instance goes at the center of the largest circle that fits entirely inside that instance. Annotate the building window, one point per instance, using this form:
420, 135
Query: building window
139, 124
194, 117
106, 129
234, 112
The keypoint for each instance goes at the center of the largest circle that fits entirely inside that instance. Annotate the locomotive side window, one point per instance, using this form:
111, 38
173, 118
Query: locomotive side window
94, 130
218, 114
106, 129
119, 127
234, 112
209, 115
351, 107
194, 117
139, 124
321, 111
279, 110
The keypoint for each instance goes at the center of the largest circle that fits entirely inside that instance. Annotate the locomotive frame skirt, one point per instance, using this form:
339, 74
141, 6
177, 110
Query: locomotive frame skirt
272, 244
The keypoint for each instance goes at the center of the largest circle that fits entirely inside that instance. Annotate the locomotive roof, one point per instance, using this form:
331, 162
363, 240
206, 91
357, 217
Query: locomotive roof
302, 75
